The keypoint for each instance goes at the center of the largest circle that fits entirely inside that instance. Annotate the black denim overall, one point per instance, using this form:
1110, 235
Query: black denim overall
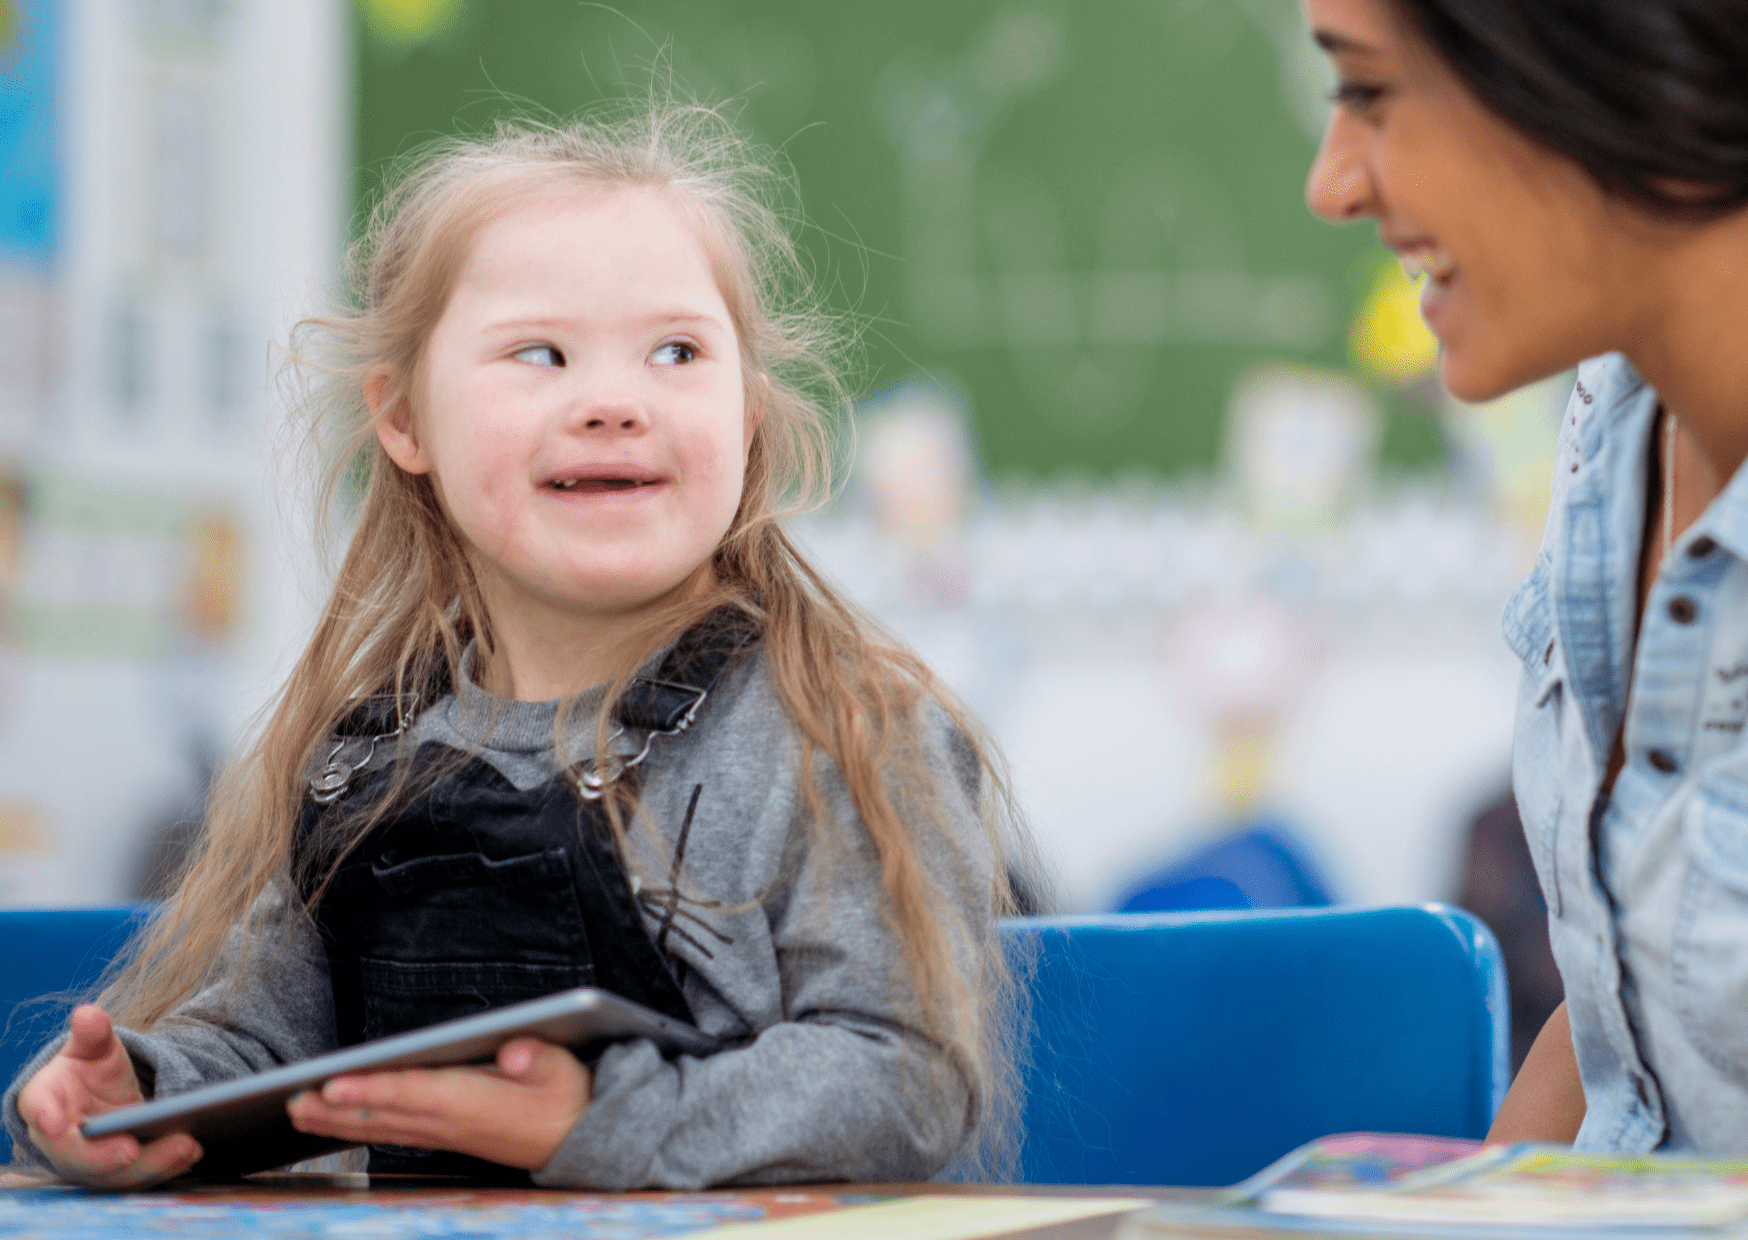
472, 895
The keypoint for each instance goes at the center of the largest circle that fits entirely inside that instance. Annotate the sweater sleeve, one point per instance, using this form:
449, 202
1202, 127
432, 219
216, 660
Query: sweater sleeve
257, 1018
842, 1081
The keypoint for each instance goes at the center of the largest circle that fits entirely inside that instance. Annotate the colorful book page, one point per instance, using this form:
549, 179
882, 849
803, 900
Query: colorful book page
508, 1214
1354, 1162
935, 1218
1542, 1183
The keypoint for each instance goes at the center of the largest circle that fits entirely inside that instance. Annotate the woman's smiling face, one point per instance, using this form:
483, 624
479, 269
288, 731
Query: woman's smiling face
1529, 266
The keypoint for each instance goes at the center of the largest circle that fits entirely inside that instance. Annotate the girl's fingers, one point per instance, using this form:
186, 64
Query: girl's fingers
416, 1092
418, 1108
518, 1057
167, 1157
41, 1110
516, 1112
112, 1153
92, 1034
368, 1125
121, 1162
164, 1159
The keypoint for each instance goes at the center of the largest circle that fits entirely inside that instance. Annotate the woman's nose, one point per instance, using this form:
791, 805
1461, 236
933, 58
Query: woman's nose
1340, 188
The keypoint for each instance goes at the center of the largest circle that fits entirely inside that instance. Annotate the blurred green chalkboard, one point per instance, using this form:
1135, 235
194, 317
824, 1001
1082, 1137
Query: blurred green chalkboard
1087, 214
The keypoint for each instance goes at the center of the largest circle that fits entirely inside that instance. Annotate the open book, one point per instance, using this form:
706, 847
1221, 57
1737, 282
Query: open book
1371, 1184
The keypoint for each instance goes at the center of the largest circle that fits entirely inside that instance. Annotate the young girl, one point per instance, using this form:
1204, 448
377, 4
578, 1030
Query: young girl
1572, 178
578, 712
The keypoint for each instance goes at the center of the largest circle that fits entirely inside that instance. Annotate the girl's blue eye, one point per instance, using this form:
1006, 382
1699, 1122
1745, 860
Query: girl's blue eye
674, 353
539, 355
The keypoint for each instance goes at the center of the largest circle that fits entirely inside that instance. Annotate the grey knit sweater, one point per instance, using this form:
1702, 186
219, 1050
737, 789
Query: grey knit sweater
837, 1082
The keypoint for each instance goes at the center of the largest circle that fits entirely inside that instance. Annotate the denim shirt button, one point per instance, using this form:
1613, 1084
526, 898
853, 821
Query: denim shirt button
1701, 547
1663, 760
1683, 610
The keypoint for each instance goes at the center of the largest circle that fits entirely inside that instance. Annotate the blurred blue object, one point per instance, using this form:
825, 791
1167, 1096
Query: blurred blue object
1197, 1048
58, 952
1262, 866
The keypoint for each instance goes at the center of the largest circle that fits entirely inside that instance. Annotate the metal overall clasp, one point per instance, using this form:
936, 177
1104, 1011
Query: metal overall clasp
593, 776
330, 782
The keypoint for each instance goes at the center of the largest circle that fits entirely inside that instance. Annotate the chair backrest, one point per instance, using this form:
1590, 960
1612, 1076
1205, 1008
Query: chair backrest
1196, 1048
1263, 865
52, 952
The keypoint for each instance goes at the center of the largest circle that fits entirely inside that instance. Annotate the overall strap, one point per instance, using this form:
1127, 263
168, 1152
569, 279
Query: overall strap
666, 703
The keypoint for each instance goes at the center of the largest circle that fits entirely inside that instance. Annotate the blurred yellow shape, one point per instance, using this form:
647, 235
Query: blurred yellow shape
406, 21
10, 26
1243, 758
215, 590
1390, 340
23, 829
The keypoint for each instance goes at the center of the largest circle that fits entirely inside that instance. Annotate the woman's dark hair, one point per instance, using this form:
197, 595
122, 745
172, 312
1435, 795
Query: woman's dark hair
1648, 96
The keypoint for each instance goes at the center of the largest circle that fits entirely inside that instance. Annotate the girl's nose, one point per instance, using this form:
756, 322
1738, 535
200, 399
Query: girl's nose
1340, 187
614, 412
626, 420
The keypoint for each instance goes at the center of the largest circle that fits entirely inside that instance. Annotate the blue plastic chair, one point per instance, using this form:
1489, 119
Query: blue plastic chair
1262, 866
52, 952
1196, 1048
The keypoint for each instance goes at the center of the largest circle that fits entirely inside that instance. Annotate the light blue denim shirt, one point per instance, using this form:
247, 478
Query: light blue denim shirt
1647, 887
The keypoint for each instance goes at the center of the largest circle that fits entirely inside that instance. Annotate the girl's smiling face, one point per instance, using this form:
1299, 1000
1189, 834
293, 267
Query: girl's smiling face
1529, 267
580, 407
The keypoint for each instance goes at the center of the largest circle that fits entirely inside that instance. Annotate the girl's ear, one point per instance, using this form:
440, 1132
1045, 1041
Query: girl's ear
394, 424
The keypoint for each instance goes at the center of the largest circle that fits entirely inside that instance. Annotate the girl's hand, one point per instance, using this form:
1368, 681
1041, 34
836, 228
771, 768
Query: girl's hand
93, 1074
517, 1113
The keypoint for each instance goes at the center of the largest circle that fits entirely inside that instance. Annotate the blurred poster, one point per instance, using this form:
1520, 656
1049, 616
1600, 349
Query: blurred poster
28, 176
125, 572
27, 129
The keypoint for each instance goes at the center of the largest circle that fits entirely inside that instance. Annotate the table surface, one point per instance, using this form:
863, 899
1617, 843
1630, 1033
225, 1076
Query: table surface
281, 1198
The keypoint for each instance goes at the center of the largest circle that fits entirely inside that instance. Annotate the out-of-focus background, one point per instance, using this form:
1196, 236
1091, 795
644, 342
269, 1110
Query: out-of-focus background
1151, 464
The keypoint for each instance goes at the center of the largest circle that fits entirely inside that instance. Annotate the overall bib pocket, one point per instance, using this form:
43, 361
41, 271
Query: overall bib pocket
467, 906
400, 995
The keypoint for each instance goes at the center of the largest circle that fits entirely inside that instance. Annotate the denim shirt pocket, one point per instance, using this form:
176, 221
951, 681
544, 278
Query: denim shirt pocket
1536, 762
1708, 962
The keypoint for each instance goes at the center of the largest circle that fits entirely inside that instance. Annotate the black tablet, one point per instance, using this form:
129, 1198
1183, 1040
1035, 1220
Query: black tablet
242, 1125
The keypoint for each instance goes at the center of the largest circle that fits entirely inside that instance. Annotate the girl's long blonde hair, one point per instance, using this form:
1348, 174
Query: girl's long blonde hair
404, 604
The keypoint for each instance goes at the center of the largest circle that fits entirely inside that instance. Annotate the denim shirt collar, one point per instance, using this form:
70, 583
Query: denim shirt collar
1726, 520
1622, 395
1602, 502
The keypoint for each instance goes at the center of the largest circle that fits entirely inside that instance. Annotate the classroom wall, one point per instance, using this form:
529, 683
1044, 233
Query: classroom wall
1151, 464
1088, 217
193, 165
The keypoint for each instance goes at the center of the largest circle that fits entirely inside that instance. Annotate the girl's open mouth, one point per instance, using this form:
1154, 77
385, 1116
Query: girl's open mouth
597, 486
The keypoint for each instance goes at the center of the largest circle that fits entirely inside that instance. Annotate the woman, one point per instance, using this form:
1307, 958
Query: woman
1571, 176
